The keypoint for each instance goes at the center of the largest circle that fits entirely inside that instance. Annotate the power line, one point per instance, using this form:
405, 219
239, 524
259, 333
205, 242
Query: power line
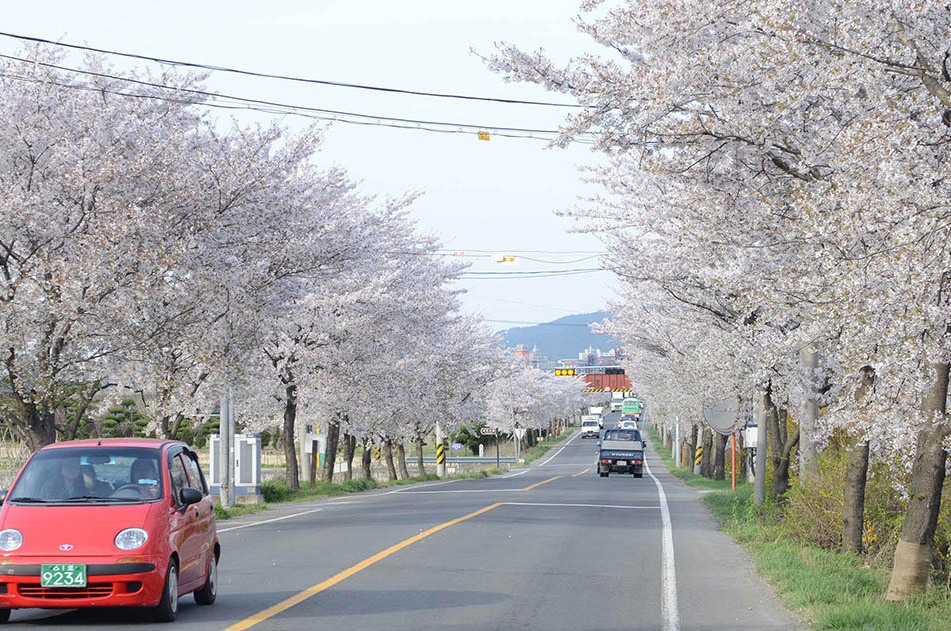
251, 73
512, 251
538, 272
524, 275
586, 258
288, 108
536, 323
418, 126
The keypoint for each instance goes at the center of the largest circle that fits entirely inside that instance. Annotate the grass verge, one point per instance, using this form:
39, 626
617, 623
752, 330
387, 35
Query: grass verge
831, 590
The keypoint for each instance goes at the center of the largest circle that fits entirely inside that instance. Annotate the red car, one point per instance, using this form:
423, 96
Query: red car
124, 522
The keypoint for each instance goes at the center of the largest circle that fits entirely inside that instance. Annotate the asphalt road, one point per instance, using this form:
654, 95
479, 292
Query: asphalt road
552, 546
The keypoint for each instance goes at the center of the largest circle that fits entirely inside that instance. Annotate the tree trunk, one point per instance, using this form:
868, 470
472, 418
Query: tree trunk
388, 457
420, 467
913, 554
348, 455
291, 472
856, 475
706, 464
719, 456
853, 512
401, 460
808, 451
333, 437
367, 458
781, 445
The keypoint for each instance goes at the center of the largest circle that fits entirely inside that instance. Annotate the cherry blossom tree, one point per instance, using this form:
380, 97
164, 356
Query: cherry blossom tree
798, 150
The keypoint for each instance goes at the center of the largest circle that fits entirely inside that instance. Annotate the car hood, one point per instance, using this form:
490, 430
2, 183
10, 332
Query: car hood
89, 529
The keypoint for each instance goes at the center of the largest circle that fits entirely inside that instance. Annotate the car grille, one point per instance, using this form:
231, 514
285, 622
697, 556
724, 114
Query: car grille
93, 590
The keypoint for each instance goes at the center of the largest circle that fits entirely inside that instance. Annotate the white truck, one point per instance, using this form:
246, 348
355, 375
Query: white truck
590, 426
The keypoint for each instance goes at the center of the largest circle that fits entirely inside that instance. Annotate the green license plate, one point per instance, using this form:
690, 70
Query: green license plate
63, 575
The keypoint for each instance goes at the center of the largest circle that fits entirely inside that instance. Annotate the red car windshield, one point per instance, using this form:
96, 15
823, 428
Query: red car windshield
90, 475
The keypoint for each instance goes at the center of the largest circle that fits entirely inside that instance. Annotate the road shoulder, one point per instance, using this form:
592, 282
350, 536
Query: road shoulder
717, 583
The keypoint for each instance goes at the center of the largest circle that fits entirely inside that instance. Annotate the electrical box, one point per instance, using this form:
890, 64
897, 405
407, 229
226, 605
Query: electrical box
247, 464
750, 435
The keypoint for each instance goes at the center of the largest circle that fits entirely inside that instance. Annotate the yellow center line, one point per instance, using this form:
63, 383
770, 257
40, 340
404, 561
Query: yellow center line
284, 605
581, 473
537, 484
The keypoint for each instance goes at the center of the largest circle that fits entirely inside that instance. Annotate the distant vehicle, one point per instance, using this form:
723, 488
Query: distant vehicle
590, 429
627, 424
616, 405
621, 451
631, 406
595, 410
104, 523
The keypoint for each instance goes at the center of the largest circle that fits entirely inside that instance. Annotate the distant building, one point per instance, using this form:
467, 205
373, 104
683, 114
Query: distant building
523, 354
597, 357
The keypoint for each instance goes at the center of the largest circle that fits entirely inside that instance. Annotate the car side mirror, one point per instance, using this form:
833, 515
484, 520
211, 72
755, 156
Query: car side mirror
189, 496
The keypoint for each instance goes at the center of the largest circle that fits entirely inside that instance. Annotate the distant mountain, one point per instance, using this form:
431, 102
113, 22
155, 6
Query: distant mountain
562, 338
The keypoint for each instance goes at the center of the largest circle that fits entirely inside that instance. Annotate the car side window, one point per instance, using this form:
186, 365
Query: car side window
196, 480
179, 478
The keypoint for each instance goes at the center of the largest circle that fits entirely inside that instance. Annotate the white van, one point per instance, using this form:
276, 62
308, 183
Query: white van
590, 428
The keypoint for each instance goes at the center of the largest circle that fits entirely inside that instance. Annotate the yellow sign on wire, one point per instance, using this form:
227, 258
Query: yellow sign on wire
483, 135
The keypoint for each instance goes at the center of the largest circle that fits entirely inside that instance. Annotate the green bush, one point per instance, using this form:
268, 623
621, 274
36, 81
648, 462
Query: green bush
275, 491
814, 507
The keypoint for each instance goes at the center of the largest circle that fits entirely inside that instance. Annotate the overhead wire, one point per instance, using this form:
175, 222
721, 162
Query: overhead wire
273, 107
537, 323
251, 73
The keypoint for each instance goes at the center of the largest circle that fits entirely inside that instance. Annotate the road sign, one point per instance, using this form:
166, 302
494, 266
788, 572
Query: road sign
440, 453
455, 446
519, 432
487, 431
722, 415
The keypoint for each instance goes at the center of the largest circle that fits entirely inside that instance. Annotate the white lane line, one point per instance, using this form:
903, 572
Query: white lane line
581, 505
515, 475
668, 567
460, 491
405, 489
560, 450
268, 521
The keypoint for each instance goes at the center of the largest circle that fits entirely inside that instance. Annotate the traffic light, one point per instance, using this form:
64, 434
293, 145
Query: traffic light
564, 372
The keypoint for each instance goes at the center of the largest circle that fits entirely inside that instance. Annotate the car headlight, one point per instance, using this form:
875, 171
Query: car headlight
131, 538
10, 539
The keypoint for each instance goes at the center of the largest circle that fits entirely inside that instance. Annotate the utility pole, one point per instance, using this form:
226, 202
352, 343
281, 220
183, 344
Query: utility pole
226, 459
759, 483
675, 449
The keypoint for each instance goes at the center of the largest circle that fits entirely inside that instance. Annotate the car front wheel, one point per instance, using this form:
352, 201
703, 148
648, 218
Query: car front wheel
167, 609
209, 591
4, 616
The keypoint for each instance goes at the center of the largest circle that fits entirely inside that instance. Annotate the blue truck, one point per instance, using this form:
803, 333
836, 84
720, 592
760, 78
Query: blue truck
621, 451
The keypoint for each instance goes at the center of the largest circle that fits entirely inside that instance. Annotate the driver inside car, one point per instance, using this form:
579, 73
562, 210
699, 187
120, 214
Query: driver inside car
143, 474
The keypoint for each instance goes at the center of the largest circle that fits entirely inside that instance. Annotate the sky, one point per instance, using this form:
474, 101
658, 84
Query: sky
498, 196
